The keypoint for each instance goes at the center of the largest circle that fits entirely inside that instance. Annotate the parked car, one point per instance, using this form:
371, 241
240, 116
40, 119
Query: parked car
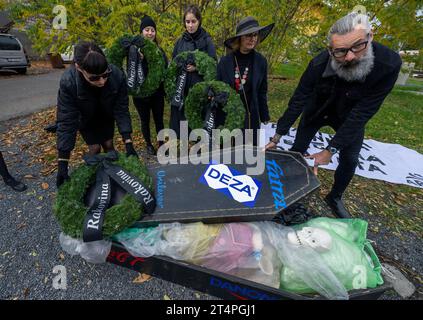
12, 54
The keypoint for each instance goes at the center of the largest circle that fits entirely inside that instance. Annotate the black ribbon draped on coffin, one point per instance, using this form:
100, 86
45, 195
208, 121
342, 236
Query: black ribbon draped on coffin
181, 66
212, 113
135, 71
111, 185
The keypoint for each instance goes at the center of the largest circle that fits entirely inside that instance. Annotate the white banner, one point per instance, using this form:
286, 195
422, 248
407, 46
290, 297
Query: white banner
381, 161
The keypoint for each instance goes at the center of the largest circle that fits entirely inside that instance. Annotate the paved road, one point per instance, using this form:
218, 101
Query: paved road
23, 95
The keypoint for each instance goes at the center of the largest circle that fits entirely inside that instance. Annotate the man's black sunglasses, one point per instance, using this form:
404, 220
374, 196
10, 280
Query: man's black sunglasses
342, 52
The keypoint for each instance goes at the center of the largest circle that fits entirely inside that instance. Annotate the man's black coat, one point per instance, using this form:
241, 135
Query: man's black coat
354, 103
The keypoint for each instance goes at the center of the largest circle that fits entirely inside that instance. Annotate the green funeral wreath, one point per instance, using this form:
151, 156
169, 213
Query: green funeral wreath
206, 67
70, 210
156, 65
198, 97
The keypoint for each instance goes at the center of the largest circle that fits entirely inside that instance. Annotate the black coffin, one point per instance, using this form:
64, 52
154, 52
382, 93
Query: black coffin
213, 192
216, 283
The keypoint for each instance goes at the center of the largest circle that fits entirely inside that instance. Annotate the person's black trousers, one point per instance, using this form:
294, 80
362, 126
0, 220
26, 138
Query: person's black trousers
153, 104
4, 173
348, 156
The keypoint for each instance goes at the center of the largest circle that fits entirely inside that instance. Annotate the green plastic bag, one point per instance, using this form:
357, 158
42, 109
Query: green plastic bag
351, 257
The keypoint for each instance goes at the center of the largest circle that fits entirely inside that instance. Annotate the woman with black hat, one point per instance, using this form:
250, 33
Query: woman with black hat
245, 70
8, 178
194, 38
155, 102
92, 96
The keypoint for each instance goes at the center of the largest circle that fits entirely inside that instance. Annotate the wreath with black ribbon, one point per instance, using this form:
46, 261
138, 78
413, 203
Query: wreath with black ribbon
176, 74
107, 194
214, 105
141, 83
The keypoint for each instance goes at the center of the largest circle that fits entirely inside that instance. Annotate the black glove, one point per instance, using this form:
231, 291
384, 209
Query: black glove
62, 173
130, 151
51, 128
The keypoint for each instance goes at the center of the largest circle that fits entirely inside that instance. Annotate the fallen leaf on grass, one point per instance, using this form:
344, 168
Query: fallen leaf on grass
45, 185
166, 297
142, 277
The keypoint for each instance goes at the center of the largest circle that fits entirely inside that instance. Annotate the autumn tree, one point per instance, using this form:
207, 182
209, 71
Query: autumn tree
300, 30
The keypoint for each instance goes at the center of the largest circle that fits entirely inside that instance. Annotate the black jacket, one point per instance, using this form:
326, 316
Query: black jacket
258, 103
354, 103
76, 106
203, 42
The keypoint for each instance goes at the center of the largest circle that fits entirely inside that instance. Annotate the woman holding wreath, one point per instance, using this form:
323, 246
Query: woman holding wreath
154, 102
245, 70
92, 96
194, 38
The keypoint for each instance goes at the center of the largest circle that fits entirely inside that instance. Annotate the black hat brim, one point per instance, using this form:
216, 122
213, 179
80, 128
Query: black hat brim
263, 34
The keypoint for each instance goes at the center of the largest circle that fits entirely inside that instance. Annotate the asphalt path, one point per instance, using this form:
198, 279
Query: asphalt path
22, 95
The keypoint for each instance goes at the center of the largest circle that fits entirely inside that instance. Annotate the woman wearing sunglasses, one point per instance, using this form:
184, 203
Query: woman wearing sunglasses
245, 70
92, 96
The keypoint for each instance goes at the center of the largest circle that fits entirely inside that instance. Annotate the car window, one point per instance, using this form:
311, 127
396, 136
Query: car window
8, 43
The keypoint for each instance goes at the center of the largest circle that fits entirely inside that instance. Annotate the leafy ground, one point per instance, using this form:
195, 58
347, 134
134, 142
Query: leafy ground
394, 212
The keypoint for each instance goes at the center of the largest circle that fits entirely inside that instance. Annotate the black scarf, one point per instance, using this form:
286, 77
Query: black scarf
194, 36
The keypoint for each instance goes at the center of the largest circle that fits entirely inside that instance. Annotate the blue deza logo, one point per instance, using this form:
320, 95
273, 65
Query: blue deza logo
239, 292
275, 174
241, 188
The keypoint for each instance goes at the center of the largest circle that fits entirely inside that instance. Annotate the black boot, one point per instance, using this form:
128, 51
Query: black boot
150, 150
15, 185
337, 206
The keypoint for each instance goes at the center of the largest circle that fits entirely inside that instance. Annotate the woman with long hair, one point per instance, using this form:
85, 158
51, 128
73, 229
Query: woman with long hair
194, 38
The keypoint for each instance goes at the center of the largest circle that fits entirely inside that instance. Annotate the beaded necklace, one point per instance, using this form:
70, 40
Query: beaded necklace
240, 81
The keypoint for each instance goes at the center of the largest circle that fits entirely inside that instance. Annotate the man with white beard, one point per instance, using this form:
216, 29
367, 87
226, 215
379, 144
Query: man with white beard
343, 87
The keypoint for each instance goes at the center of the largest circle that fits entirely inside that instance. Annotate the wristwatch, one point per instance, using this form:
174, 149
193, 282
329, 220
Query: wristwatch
332, 150
276, 138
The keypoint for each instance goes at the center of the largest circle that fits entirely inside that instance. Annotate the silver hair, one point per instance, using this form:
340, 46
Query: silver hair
349, 23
